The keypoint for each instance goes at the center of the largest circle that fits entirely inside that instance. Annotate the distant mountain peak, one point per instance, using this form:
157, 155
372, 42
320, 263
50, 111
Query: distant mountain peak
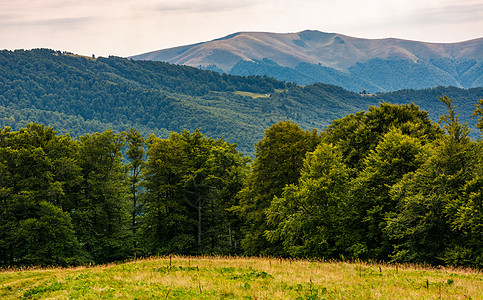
333, 50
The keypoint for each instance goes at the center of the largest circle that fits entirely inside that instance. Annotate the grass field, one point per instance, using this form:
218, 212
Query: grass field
241, 278
250, 94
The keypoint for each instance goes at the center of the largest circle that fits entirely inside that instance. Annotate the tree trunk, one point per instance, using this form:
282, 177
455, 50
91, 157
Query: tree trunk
134, 220
199, 228
231, 237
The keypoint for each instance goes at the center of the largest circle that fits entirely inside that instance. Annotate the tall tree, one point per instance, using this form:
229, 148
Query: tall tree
396, 155
308, 217
101, 213
357, 134
135, 156
278, 161
35, 170
421, 230
191, 181
227, 170
166, 226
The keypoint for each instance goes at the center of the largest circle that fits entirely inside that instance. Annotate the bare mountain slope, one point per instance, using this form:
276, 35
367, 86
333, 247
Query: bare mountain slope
290, 49
336, 51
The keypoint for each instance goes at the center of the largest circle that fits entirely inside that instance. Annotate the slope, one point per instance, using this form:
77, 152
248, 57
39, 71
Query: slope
80, 95
350, 62
154, 97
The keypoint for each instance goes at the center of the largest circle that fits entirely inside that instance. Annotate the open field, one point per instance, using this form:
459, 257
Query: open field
241, 278
250, 94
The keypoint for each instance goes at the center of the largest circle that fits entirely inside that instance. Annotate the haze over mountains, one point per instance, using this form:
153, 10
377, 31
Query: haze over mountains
374, 65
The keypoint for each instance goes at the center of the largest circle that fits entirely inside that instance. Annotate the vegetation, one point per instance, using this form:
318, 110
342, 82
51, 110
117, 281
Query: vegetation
374, 75
79, 95
279, 159
208, 277
386, 184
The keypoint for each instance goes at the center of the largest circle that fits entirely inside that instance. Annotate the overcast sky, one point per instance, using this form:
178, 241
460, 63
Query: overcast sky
129, 27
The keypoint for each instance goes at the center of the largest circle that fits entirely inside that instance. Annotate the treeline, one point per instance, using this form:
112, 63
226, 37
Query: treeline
96, 199
387, 184
384, 184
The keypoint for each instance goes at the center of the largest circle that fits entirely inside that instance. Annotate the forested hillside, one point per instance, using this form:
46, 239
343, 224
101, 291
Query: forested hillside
79, 95
376, 75
386, 184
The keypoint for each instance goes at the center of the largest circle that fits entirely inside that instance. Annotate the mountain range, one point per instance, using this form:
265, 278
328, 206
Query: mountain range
356, 64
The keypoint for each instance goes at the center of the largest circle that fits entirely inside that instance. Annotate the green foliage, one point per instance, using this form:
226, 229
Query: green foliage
412, 194
165, 225
479, 112
357, 134
191, 181
35, 175
77, 95
392, 75
100, 213
303, 74
46, 238
464, 100
375, 75
396, 155
428, 198
279, 159
385, 184
135, 155
307, 217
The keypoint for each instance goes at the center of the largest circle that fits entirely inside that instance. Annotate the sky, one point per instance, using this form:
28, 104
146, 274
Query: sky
130, 27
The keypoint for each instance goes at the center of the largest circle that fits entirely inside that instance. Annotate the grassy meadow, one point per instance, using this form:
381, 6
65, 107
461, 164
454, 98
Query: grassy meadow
241, 278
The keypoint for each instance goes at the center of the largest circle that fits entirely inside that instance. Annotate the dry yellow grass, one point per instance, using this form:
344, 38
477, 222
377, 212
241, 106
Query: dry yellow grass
242, 278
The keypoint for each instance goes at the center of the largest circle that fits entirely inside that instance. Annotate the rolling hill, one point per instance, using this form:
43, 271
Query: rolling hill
376, 65
82, 95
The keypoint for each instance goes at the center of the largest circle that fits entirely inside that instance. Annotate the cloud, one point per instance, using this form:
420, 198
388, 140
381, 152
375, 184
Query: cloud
63, 23
196, 6
450, 12
124, 27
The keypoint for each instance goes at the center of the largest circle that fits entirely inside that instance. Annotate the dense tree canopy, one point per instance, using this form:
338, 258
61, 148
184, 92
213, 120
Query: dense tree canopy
386, 184
36, 173
357, 134
278, 161
307, 217
191, 181
79, 95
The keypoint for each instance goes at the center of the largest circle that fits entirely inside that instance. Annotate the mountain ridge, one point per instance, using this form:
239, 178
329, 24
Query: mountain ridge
379, 48
329, 50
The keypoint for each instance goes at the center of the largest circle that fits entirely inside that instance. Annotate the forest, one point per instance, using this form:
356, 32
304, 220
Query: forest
81, 95
385, 184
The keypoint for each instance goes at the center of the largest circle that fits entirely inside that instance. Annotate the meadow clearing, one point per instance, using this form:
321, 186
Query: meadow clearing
211, 277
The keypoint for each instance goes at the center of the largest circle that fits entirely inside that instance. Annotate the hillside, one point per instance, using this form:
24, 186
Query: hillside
306, 57
80, 95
